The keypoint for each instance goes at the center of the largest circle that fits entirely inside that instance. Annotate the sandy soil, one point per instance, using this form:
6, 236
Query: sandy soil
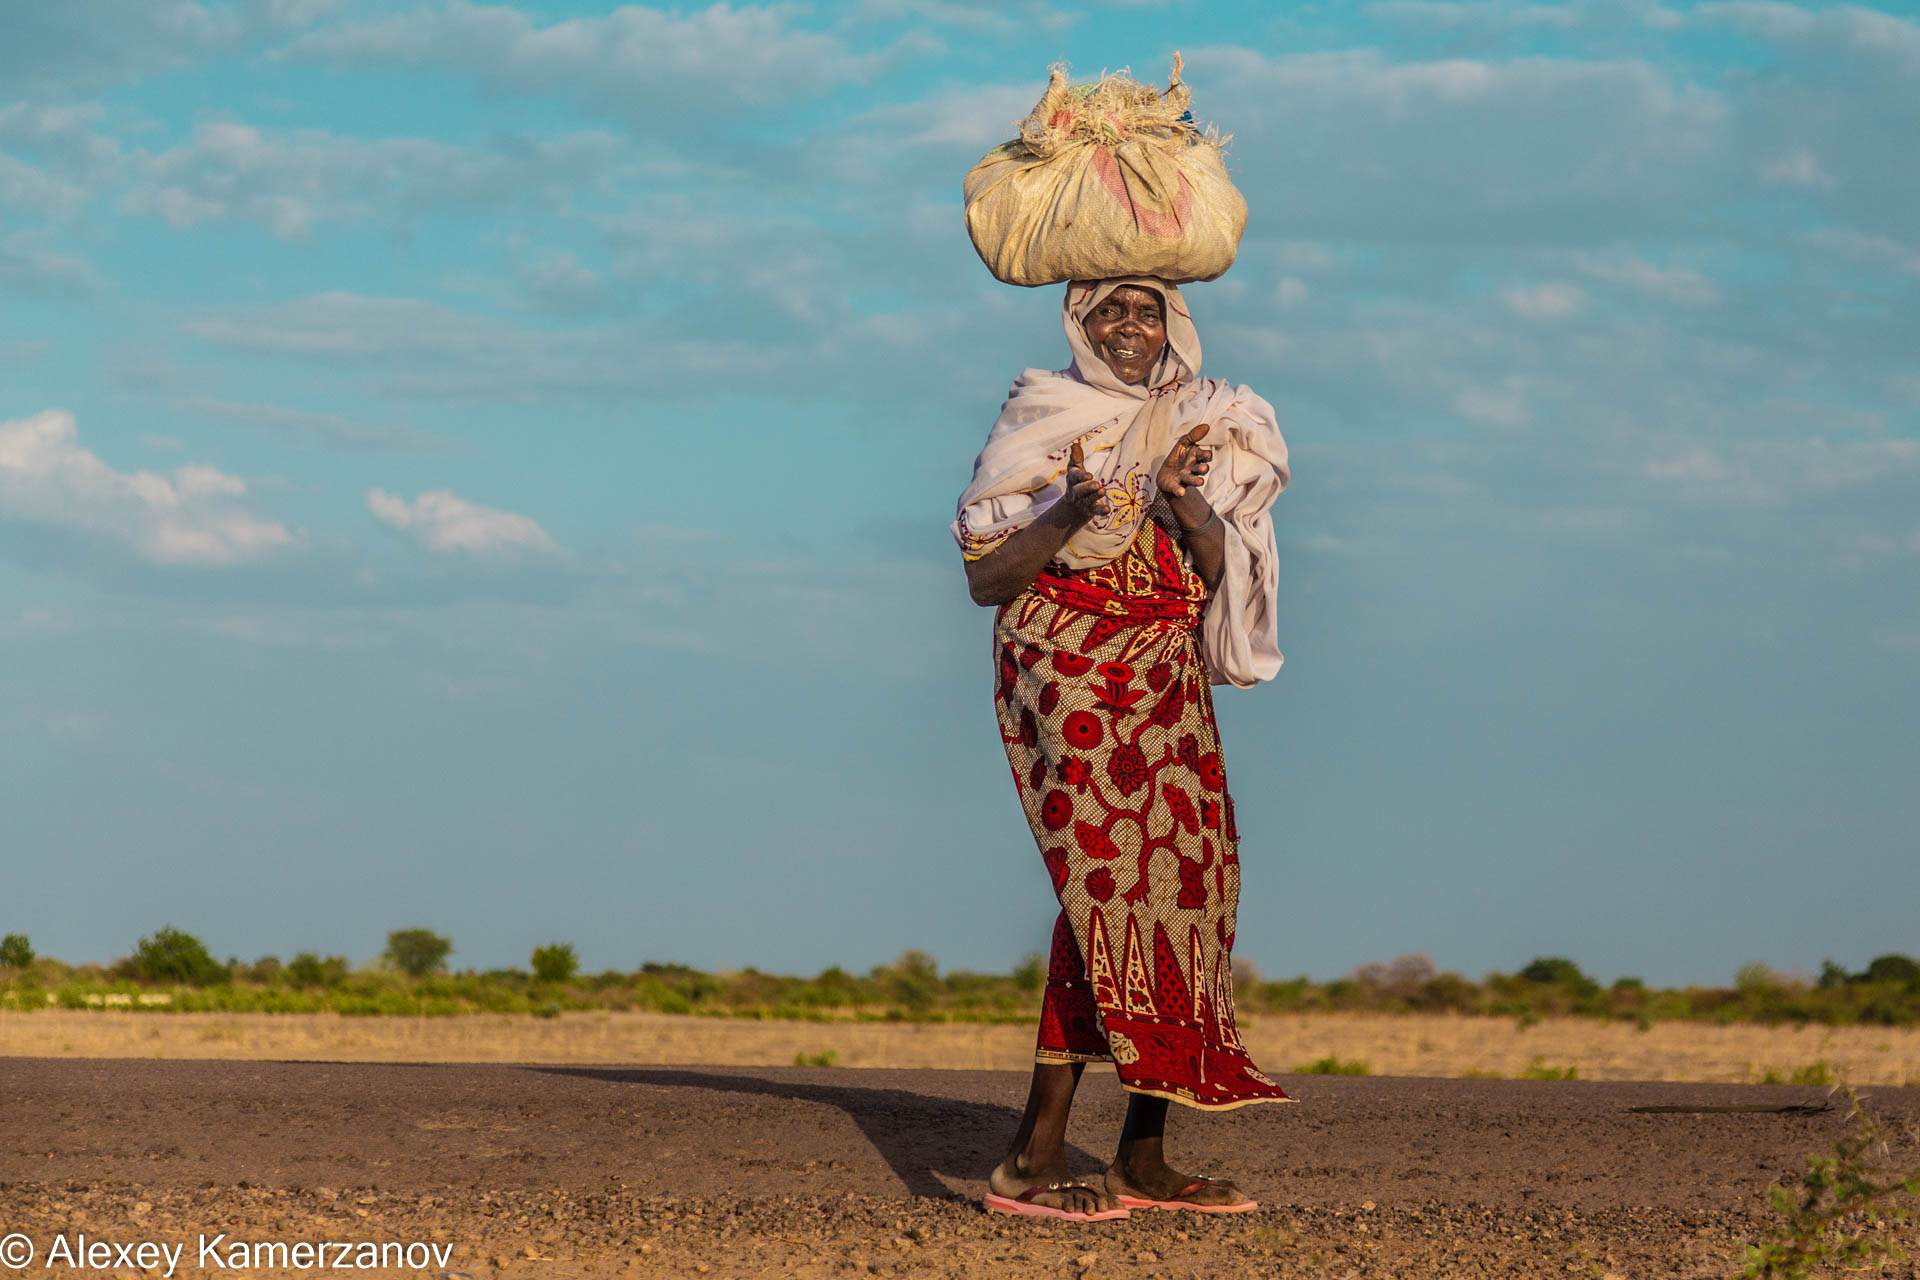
562, 1171
1411, 1045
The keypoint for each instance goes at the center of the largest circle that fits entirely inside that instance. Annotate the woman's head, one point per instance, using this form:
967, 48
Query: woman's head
1131, 336
1128, 330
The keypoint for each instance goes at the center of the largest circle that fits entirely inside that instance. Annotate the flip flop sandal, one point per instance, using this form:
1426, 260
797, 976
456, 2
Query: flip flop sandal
1023, 1204
1175, 1202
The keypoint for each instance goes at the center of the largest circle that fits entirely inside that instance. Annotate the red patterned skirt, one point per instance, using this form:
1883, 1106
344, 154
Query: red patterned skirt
1108, 721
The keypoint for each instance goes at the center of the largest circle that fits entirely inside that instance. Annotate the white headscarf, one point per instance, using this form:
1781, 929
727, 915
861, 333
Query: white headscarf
1125, 431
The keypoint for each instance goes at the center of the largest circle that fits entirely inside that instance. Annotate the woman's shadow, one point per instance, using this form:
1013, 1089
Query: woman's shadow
918, 1136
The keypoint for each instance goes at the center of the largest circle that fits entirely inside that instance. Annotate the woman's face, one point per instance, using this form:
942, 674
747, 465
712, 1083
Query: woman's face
1128, 331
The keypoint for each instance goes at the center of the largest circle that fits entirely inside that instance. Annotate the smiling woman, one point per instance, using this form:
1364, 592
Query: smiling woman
1118, 518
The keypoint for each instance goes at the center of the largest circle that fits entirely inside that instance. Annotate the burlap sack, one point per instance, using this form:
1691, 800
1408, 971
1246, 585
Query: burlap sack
1106, 179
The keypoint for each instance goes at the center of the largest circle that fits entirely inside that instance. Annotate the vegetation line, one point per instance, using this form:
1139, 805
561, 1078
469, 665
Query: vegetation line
171, 970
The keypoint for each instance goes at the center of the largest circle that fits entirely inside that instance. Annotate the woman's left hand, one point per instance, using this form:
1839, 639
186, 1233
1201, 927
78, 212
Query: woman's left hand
1186, 466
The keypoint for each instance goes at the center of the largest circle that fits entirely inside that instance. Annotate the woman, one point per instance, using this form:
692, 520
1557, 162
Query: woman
1118, 518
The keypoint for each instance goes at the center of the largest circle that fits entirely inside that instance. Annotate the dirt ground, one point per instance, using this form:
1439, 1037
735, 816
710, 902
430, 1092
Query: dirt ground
583, 1170
1390, 1044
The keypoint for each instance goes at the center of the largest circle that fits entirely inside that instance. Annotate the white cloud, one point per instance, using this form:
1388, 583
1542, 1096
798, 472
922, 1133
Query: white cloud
1502, 406
1528, 149
442, 521
558, 282
1865, 247
289, 180
1551, 300
63, 138
188, 516
642, 65
1674, 284
1291, 291
26, 264
27, 189
1800, 169
1768, 471
308, 427
56, 48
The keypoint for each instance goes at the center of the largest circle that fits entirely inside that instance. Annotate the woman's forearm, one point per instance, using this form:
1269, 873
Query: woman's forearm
1204, 536
1011, 567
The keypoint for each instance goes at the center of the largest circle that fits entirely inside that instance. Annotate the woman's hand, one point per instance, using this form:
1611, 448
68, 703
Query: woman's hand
1010, 568
1085, 497
1186, 465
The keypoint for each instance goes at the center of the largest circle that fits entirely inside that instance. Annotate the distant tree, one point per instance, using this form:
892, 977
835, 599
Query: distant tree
172, 955
266, 970
15, 951
309, 970
914, 980
1893, 968
555, 962
1833, 975
417, 952
1558, 971
1031, 973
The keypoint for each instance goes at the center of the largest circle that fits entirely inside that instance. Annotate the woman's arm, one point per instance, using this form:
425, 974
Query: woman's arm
1180, 478
1204, 533
1011, 567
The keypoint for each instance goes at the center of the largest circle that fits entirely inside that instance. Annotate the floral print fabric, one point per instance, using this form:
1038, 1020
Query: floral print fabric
1107, 716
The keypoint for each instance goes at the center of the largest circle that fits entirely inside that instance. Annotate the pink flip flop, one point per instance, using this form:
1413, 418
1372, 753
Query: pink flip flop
1023, 1204
1138, 1202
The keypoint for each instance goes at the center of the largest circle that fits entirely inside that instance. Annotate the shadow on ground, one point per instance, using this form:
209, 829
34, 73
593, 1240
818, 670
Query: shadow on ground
897, 1122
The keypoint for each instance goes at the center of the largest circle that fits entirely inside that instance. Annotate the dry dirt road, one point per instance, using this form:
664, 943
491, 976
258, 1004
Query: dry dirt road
567, 1171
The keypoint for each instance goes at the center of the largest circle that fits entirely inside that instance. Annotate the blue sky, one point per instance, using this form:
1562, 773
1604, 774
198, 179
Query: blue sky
488, 468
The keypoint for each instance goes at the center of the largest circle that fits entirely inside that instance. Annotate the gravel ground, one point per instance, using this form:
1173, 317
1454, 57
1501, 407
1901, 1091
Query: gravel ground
672, 1171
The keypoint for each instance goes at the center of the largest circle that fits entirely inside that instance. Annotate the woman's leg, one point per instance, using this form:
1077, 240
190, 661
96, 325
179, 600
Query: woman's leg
1039, 1152
1140, 1166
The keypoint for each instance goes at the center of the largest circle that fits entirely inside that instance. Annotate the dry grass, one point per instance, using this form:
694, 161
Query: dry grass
1401, 1045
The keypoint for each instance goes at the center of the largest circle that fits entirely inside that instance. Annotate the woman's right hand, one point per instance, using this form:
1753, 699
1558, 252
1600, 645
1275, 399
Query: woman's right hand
1086, 497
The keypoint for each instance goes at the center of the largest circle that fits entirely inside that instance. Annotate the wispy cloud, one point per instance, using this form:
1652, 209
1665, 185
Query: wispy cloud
642, 65
289, 181
444, 522
191, 515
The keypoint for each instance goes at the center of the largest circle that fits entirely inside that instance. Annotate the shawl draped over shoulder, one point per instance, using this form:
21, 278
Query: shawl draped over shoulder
1125, 431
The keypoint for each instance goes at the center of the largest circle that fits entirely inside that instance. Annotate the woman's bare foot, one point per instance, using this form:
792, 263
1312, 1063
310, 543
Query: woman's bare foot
1013, 1177
1156, 1180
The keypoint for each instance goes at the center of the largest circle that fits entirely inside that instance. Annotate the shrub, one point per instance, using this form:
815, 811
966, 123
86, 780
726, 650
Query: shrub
15, 951
171, 955
913, 980
1843, 1196
1332, 1066
417, 952
1539, 1070
1895, 969
825, 1058
309, 970
1031, 973
1558, 971
555, 962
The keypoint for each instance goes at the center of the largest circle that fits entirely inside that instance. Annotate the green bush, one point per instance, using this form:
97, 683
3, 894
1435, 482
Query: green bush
309, 970
555, 962
417, 952
1538, 1069
1332, 1066
171, 955
15, 951
1558, 971
1900, 971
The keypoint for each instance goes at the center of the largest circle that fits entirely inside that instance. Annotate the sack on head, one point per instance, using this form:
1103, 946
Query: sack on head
1106, 179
